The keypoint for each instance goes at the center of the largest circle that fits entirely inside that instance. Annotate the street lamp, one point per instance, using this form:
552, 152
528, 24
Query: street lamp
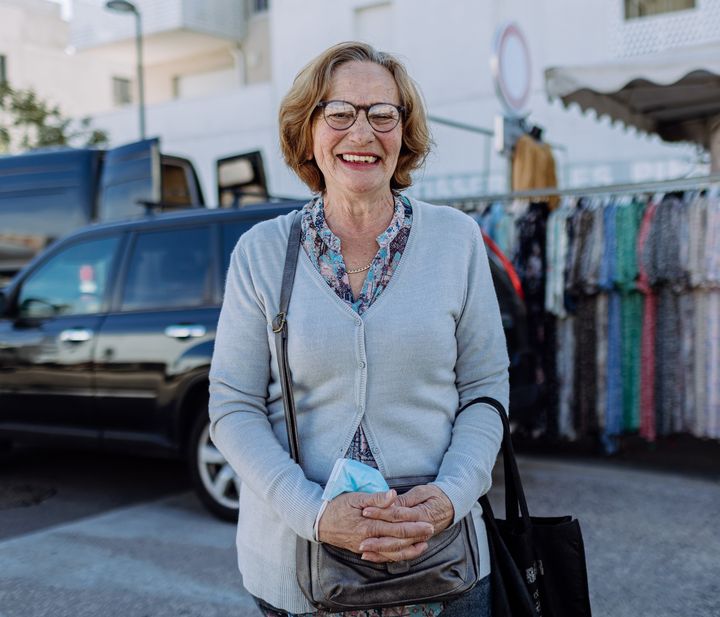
123, 6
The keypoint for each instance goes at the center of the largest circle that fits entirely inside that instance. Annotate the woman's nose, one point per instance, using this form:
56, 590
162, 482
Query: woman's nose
361, 128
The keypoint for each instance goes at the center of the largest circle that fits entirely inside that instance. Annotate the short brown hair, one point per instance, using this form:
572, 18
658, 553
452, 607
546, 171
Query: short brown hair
311, 85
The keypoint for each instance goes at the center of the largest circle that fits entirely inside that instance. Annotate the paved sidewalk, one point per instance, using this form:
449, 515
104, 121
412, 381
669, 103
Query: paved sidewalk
651, 539
160, 559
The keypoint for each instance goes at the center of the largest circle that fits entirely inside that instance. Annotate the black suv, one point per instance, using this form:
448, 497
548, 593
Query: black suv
107, 336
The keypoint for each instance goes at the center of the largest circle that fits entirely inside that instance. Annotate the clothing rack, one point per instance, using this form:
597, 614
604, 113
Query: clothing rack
657, 186
624, 301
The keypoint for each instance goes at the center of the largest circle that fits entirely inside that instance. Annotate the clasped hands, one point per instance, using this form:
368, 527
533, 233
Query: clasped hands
385, 527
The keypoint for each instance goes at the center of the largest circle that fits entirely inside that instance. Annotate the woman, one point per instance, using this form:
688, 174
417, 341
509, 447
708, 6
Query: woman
393, 325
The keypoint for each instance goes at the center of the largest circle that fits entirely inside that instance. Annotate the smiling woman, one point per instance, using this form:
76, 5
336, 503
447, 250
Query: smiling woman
357, 162
299, 111
380, 382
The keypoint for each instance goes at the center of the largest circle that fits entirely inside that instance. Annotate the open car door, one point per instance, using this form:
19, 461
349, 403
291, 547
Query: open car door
131, 176
241, 180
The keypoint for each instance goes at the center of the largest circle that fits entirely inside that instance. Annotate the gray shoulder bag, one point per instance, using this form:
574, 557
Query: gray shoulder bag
336, 579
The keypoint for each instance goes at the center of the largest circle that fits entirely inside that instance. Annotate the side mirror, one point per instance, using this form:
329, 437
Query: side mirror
241, 180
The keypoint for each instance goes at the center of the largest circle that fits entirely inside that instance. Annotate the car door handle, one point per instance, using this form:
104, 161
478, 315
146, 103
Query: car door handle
185, 331
76, 335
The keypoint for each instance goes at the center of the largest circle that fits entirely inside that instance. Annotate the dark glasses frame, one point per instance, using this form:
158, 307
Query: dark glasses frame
358, 108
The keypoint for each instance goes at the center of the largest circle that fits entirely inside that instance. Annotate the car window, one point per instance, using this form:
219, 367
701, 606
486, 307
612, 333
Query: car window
72, 282
169, 269
231, 232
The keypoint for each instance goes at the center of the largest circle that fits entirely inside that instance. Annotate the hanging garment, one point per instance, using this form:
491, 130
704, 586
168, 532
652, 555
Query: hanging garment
631, 316
490, 219
648, 428
710, 423
583, 260
533, 167
613, 404
566, 374
695, 394
666, 273
530, 263
628, 219
700, 361
601, 356
557, 246
585, 411
685, 417
593, 252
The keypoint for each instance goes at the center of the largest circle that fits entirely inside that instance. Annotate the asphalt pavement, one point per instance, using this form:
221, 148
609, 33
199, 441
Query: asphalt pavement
651, 541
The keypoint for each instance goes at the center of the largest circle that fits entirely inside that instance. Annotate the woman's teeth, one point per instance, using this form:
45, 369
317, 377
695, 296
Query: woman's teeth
353, 158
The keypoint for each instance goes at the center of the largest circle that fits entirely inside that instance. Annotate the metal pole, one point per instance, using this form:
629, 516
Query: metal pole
656, 186
140, 76
460, 125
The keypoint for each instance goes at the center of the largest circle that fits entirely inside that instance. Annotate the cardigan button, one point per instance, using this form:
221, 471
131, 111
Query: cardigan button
362, 364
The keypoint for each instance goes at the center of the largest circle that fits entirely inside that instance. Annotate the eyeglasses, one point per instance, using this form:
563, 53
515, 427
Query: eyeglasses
341, 115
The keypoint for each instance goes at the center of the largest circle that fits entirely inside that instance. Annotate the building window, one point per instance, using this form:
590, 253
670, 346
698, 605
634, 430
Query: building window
259, 6
3, 69
645, 8
121, 91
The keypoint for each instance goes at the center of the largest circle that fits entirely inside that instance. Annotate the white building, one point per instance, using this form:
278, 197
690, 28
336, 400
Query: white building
216, 71
35, 53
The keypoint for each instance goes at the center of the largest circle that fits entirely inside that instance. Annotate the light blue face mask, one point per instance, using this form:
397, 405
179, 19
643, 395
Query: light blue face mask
349, 476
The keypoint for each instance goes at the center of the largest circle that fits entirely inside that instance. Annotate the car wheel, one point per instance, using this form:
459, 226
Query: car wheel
214, 481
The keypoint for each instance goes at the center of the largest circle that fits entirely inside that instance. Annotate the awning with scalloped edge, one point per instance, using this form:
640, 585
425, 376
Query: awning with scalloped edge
675, 94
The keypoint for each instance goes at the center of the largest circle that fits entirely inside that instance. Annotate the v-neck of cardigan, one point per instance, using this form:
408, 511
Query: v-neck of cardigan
318, 277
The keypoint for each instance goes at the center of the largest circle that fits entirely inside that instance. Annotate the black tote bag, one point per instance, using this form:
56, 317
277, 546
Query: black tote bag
538, 563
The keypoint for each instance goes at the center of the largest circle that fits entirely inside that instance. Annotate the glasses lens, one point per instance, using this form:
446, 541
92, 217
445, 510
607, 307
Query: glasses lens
339, 115
383, 117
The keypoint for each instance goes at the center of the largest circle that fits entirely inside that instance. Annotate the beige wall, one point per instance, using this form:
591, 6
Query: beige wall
219, 70
159, 78
33, 38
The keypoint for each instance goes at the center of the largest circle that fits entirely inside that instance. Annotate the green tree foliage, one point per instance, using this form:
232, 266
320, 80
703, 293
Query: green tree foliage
28, 122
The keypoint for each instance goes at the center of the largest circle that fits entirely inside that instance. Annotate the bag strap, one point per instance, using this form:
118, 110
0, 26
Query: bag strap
280, 329
514, 492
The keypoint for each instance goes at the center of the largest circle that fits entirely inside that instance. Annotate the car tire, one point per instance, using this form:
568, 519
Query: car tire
214, 481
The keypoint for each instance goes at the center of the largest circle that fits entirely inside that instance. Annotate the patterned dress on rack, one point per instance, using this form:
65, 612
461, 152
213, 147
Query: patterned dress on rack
648, 428
628, 218
665, 276
581, 268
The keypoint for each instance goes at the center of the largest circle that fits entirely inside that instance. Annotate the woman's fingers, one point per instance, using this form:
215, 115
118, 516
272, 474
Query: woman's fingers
373, 500
417, 531
422, 503
417, 495
393, 514
343, 525
386, 545
405, 554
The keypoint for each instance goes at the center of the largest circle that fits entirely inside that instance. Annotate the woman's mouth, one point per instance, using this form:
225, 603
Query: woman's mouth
363, 159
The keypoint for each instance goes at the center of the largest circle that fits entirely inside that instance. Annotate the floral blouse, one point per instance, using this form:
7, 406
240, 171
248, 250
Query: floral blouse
323, 248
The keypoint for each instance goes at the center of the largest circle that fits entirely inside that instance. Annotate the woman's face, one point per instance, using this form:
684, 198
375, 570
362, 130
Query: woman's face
360, 83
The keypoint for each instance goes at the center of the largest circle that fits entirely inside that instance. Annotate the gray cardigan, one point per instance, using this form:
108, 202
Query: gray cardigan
431, 342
